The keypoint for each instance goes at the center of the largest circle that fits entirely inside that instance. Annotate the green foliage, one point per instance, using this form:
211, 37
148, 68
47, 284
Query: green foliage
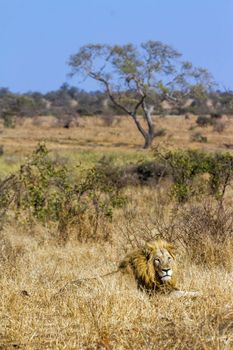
69, 100
48, 192
188, 167
13, 105
8, 119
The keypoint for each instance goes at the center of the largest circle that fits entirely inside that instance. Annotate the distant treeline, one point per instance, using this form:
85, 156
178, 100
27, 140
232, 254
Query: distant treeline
71, 102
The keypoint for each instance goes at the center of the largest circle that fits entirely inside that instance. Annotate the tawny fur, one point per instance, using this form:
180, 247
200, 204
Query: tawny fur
146, 273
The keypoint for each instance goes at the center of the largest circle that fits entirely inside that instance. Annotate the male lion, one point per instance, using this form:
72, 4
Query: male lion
154, 269
153, 266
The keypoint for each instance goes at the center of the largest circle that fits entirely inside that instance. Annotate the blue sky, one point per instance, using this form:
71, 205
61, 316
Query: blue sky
38, 36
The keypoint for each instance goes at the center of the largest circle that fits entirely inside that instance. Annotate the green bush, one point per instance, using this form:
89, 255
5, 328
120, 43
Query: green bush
46, 191
188, 166
8, 119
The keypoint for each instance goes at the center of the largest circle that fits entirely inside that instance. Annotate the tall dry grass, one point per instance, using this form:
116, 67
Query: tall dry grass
110, 313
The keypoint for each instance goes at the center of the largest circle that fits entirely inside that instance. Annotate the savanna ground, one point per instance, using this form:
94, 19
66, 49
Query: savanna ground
110, 313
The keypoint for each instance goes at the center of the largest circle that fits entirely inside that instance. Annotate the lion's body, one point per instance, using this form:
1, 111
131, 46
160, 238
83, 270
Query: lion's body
148, 265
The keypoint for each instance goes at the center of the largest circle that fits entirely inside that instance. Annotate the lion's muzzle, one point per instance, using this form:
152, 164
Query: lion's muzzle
165, 274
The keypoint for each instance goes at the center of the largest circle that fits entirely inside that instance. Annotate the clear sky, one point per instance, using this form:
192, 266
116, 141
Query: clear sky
38, 36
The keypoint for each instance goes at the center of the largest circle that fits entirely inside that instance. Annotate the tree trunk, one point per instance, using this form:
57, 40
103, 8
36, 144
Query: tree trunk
148, 135
148, 110
148, 141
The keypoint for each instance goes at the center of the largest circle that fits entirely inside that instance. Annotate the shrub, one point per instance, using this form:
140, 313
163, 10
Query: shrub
206, 229
215, 116
150, 172
204, 121
187, 166
144, 173
48, 192
219, 126
108, 119
8, 119
67, 121
198, 137
114, 175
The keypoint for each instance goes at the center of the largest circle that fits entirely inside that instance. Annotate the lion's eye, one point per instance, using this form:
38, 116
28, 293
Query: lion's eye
157, 260
169, 258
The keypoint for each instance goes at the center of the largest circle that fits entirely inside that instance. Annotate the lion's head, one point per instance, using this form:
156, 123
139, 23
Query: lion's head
161, 256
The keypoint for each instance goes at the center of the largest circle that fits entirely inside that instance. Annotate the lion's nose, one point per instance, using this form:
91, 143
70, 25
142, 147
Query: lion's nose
165, 270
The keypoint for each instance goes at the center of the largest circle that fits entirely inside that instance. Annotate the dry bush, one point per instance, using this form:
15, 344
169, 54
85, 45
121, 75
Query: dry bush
204, 121
202, 229
207, 231
219, 126
216, 116
145, 173
160, 132
108, 119
148, 218
46, 121
198, 137
37, 121
67, 121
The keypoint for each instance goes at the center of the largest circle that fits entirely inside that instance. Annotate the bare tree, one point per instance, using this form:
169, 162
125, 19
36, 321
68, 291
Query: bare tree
131, 76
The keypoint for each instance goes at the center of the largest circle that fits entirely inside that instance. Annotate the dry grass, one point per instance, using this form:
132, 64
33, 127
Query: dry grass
107, 313
110, 313
92, 134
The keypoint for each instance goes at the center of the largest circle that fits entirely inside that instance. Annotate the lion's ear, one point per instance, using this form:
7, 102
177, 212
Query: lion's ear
171, 249
150, 246
148, 249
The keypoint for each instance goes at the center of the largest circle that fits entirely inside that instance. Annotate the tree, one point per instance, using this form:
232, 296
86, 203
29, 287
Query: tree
132, 76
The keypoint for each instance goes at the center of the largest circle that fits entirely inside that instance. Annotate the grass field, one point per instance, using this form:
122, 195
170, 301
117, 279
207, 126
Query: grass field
110, 313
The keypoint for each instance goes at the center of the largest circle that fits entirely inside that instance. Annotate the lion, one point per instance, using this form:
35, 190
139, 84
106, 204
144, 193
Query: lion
153, 266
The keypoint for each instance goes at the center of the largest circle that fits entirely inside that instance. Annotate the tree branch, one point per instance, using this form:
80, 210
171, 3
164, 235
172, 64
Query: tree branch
109, 91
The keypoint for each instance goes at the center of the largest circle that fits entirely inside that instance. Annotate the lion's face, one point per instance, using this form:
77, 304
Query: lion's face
163, 261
